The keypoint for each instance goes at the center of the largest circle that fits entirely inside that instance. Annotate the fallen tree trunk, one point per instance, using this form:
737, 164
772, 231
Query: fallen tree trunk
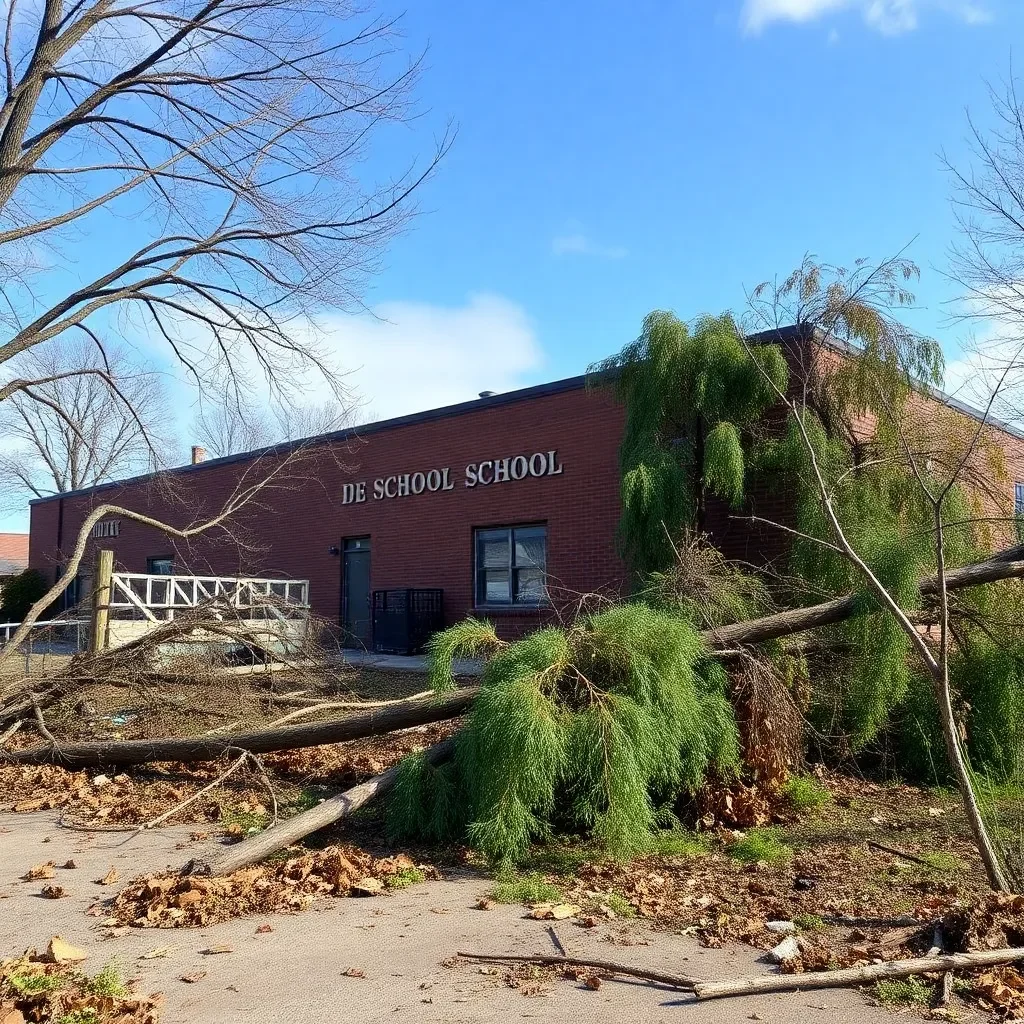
1005, 565
250, 851
798, 620
856, 975
208, 748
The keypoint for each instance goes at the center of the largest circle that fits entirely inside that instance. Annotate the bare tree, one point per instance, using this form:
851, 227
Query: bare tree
192, 172
212, 145
237, 426
76, 431
858, 307
988, 260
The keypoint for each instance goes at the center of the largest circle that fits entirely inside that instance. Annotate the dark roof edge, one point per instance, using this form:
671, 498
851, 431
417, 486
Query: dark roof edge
283, 448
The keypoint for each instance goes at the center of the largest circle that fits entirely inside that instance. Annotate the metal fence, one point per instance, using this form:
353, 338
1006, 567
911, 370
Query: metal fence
51, 636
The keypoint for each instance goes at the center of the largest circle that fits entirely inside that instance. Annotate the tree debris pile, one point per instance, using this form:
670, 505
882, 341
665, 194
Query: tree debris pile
177, 900
993, 921
47, 987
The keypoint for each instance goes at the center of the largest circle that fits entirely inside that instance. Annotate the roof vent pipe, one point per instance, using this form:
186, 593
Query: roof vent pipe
487, 394
198, 454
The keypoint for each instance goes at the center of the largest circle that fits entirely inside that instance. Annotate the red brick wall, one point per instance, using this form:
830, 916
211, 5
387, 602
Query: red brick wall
422, 540
426, 540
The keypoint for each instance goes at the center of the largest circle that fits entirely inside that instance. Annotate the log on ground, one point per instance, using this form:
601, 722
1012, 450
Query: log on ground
208, 748
251, 851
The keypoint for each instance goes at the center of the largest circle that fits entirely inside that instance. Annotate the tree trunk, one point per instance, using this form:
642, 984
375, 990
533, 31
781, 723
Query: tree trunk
208, 748
855, 975
250, 851
1003, 566
957, 761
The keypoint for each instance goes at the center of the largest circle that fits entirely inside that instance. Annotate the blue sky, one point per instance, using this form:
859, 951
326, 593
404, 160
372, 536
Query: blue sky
612, 159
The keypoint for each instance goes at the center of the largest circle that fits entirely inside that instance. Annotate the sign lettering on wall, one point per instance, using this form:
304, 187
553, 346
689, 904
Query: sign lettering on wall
476, 474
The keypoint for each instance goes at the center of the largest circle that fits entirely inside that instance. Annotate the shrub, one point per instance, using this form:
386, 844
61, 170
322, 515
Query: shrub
19, 593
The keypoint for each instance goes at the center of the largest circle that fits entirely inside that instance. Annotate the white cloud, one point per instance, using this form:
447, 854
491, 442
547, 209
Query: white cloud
578, 244
412, 356
401, 357
890, 17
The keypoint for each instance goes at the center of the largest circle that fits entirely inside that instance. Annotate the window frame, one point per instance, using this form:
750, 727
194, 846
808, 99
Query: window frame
511, 605
151, 559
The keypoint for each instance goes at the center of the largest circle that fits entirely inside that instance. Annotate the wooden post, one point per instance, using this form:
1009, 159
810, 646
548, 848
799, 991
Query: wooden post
101, 600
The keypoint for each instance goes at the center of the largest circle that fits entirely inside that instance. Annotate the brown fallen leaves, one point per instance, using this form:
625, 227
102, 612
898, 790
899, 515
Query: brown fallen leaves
1002, 990
171, 900
993, 921
34, 988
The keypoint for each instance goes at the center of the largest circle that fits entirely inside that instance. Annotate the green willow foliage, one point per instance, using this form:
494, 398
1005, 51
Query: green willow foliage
889, 521
590, 728
688, 394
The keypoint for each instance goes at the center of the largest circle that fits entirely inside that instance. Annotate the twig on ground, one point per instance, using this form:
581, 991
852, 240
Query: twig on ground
160, 818
8, 733
871, 922
679, 981
40, 724
258, 765
857, 975
898, 853
338, 705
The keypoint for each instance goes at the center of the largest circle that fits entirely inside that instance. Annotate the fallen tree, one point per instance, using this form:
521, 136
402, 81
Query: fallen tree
1007, 564
251, 851
209, 748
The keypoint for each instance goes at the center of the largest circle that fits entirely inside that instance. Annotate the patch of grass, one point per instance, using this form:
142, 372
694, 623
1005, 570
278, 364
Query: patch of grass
560, 860
808, 922
761, 844
84, 1015
944, 861
805, 793
511, 887
33, 984
904, 992
308, 798
404, 878
679, 843
249, 822
107, 983
619, 905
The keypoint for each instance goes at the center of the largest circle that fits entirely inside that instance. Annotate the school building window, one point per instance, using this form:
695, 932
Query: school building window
160, 566
511, 565
1018, 500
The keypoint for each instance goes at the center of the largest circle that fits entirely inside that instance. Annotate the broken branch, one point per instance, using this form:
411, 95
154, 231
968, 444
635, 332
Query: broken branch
209, 748
856, 975
250, 851
679, 981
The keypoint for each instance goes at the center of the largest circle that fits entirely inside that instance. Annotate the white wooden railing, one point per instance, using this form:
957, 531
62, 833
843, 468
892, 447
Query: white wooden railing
159, 596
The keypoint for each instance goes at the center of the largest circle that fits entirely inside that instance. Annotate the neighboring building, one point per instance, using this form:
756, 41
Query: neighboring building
509, 504
13, 556
13, 553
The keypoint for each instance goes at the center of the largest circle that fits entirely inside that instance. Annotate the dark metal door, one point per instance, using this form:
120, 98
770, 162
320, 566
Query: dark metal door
355, 592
